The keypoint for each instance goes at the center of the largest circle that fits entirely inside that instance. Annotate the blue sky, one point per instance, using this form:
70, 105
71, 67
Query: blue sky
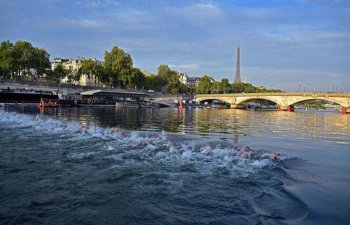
284, 43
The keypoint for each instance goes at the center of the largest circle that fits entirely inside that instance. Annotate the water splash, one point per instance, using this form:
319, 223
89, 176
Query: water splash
145, 173
148, 147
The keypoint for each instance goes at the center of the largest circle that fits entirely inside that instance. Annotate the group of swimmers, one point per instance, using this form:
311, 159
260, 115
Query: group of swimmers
244, 152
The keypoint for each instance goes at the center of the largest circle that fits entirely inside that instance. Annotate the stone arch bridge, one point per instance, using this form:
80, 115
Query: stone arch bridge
285, 100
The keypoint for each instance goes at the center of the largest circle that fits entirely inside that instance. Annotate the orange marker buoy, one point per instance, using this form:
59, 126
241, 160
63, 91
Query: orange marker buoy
343, 110
41, 104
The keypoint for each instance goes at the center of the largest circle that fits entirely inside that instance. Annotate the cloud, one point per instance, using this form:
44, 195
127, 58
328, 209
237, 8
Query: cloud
135, 20
84, 23
97, 4
183, 68
301, 34
197, 13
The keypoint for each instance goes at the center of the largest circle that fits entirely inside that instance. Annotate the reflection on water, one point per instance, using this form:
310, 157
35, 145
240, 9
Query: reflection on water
223, 123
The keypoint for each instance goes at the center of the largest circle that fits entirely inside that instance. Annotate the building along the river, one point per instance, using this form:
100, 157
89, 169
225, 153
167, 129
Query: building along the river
73, 65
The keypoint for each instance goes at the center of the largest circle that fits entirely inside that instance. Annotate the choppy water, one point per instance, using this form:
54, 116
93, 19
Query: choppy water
109, 166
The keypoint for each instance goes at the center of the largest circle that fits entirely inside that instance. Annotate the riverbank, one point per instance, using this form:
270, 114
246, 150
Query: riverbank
74, 92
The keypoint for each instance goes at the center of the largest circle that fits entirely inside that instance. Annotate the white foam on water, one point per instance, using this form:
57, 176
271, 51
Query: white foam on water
82, 155
110, 148
140, 148
186, 155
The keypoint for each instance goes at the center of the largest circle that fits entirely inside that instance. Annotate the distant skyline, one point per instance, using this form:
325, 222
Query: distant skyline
284, 44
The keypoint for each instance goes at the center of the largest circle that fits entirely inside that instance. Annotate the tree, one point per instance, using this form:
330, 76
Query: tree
24, 53
153, 82
41, 61
204, 85
137, 79
171, 79
101, 74
118, 65
215, 88
225, 86
7, 59
173, 84
22, 58
243, 87
88, 67
59, 73
164, 72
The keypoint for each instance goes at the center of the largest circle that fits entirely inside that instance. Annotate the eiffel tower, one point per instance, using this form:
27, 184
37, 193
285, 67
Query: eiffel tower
238, 67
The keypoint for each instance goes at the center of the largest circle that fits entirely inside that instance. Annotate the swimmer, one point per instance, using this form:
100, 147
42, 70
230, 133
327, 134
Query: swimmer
140, 144
119, 131
83, 129
172, 149
162, 136
206, 150
63, 125
245, 152
276, 157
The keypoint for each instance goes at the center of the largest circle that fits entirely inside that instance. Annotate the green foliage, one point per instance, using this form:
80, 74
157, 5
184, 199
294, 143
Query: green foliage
59, 72
165, 73
7, 59
153, 82
54, 76
265, 90
243, 87
173, 84
225, 86
207, 86
171, 79
204, 85
137, 79
21, 59
118, 66
41, 63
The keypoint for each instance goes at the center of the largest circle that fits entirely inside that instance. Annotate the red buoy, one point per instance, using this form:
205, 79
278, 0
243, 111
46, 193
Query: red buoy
343, 110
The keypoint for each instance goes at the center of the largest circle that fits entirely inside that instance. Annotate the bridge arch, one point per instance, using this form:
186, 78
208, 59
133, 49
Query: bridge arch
337, 101
222, 99
242, 101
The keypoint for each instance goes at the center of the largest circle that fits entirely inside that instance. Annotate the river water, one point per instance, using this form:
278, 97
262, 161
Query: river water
105, 165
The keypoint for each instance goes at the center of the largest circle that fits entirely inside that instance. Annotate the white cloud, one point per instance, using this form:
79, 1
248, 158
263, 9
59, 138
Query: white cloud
301, 34
183, 68
97, 4
85, 23
199, 13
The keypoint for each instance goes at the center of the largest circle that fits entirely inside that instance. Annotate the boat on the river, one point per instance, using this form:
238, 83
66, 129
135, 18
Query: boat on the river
25, 96
219, 104
136, 104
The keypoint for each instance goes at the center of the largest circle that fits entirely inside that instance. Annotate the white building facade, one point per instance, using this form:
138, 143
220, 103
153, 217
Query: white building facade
73, 66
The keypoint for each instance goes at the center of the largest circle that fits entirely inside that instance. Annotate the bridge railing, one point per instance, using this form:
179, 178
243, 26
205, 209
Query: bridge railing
312, 94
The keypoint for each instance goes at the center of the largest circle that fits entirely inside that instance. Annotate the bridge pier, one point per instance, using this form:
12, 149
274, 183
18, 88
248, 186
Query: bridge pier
237, 106
288, 108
